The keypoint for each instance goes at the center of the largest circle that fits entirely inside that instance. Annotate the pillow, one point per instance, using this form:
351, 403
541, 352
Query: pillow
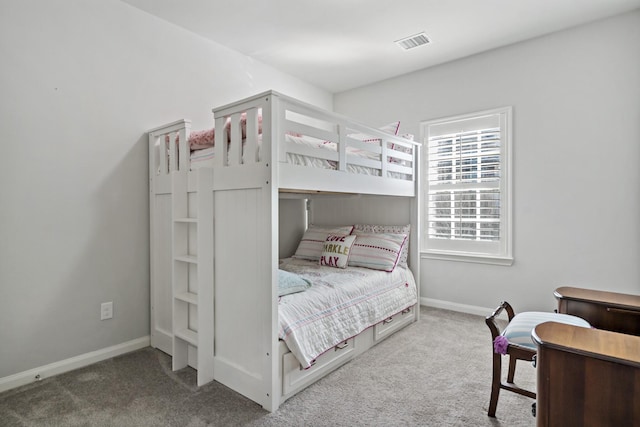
198, 139
335, 252
377, 251
402, 149
310, 247
290, 283
388, 229
243, 126
391, 128
201, 139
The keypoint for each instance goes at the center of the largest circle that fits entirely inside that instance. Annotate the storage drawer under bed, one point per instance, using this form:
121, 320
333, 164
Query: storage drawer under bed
295, 378
393, 323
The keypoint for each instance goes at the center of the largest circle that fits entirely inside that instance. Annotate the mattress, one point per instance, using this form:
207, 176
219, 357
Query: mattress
340, 304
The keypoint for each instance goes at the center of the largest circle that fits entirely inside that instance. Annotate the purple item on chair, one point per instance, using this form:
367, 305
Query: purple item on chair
500, 344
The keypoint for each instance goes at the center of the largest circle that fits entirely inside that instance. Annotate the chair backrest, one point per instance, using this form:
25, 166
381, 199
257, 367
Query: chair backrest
491, 320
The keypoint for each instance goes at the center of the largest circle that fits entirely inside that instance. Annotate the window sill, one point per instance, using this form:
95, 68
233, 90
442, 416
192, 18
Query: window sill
467, 257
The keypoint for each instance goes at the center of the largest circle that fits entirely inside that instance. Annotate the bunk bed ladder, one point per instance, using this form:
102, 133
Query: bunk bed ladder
192, 274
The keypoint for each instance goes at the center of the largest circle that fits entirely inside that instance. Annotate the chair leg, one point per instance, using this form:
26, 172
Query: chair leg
512, 369
495, 384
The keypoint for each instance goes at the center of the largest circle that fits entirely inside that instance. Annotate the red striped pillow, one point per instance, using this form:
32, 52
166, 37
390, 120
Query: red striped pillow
377, 251
388, 229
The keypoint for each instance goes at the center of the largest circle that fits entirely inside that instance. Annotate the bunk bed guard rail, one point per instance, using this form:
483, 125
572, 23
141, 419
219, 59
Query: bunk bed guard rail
271, 130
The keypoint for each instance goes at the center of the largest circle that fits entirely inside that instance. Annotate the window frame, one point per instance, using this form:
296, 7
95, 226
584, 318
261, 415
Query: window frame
473, 251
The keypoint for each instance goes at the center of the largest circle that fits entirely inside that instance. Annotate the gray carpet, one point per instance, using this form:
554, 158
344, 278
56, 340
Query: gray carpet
435, 372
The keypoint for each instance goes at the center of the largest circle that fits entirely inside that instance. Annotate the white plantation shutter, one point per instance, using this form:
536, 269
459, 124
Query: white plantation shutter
467, 200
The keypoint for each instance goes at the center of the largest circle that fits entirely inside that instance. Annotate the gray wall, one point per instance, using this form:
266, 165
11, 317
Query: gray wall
80, 83
576, 99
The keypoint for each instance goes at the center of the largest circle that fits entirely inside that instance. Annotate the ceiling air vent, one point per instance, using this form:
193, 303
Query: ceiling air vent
413, 41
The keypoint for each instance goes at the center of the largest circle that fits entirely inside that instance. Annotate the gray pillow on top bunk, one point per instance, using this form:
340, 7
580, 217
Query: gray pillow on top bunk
290, 283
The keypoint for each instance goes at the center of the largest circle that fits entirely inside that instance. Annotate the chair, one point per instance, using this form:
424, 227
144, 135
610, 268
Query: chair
515, 341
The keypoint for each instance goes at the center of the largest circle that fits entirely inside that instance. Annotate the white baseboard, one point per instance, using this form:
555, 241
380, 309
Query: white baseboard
463, 308
56, 368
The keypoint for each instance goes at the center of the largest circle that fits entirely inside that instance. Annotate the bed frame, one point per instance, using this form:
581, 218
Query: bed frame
217, 234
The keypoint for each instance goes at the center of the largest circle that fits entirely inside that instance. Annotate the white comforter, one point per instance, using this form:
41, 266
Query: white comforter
205, 157
340, 304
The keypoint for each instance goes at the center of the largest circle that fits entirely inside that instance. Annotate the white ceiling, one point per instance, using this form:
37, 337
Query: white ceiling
342, 44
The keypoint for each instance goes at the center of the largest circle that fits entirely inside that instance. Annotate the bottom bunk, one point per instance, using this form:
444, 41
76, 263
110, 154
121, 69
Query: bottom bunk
329, 315
337, 304
234, 310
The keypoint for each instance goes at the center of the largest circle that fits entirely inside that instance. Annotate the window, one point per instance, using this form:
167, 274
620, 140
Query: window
467, 184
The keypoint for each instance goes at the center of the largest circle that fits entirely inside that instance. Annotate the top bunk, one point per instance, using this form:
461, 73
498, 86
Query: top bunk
294, 147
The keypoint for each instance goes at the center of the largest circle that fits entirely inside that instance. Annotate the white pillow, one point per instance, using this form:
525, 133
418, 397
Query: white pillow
310, 247
377, 251
391, 129
388, 229
335, 252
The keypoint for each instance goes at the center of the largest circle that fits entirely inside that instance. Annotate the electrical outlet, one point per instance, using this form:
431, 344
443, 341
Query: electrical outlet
106, 310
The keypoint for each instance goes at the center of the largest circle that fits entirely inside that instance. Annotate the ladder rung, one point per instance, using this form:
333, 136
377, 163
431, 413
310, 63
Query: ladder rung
187, 258
190, 220
188, 297
187, 335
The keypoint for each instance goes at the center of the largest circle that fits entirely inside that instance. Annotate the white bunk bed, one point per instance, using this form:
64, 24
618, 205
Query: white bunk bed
218, 234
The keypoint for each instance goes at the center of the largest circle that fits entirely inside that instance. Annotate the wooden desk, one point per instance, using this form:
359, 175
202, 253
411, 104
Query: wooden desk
586, 377
603, 310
